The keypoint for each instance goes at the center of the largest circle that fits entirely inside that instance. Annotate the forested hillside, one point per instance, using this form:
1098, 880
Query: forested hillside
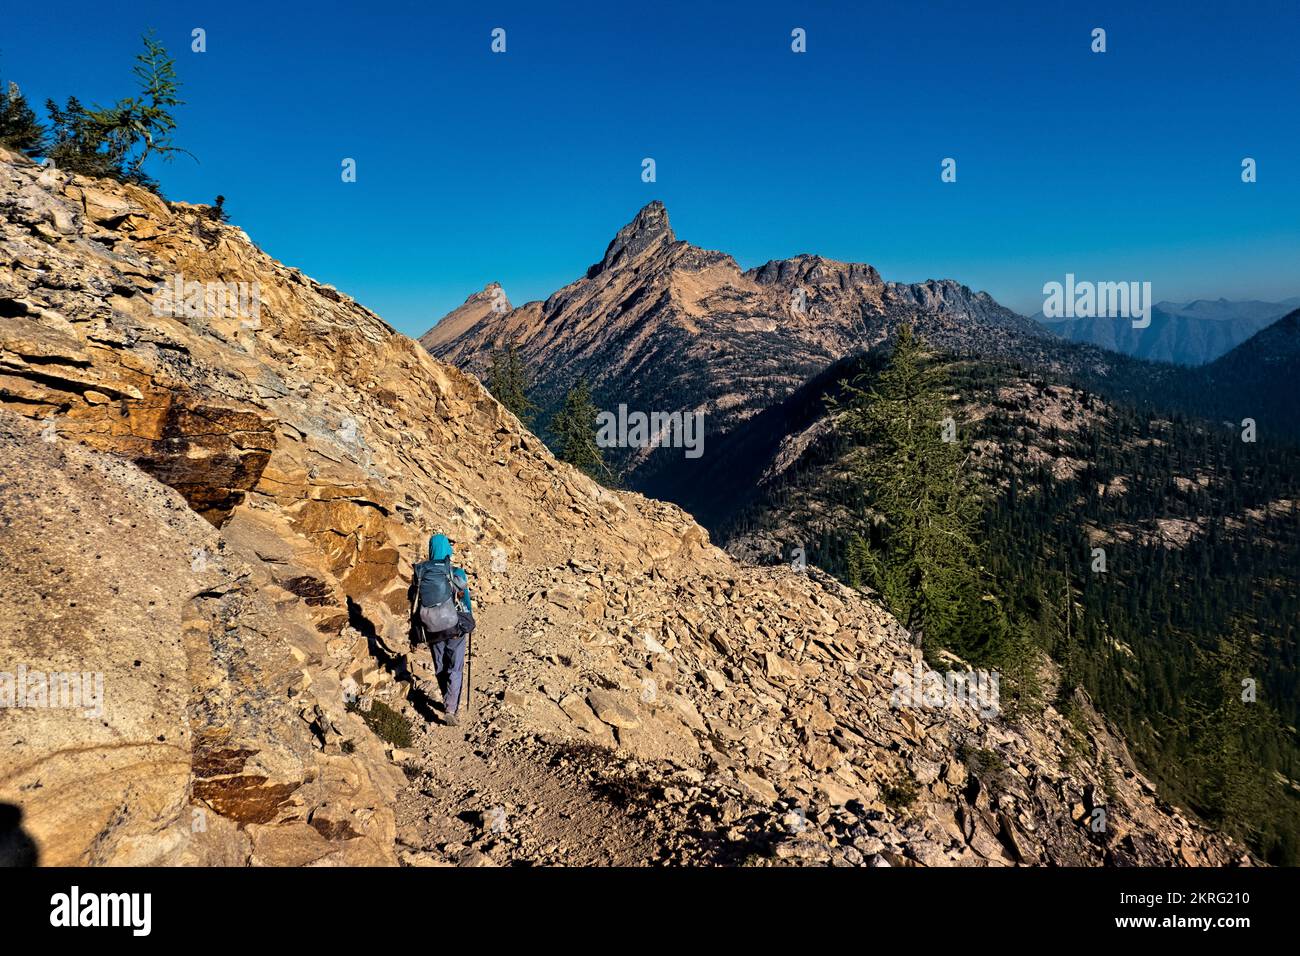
1201, 538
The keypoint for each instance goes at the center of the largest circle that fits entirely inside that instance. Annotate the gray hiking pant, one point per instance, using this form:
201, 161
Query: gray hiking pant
449, 664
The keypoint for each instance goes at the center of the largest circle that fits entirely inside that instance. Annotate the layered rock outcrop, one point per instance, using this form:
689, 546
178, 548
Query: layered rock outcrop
267, 481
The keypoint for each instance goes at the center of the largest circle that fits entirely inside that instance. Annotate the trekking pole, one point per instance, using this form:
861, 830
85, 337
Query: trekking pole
469, 671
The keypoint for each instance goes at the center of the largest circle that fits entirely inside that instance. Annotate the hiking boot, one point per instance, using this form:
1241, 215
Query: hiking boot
451, 720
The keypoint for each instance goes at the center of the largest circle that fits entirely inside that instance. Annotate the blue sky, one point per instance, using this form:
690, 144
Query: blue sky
519, 167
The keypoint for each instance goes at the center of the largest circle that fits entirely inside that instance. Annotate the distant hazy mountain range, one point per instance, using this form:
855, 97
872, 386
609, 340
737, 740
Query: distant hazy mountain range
1192, 333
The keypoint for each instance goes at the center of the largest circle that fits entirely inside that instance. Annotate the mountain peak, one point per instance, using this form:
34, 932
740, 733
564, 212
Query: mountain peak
490, 300
652, 217
649, 229
492, 292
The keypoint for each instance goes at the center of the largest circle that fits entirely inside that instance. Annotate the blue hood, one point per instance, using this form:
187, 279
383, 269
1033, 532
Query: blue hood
439, 548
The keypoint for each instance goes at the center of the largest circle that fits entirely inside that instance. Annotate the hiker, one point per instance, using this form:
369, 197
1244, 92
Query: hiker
443, 608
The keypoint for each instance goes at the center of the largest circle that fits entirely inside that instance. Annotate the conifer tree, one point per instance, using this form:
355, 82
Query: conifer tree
508, 381
217, 211
917, 504
78, 143
1226, 725
145, 124
19, 127
857, 561
116, 141
574, 428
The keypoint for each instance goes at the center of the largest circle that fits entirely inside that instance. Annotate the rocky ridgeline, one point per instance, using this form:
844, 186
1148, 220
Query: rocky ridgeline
666, 326
219, 514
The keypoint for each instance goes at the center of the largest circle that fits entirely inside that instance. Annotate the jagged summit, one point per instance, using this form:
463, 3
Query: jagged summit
652, 218
649, 230
815, 269
491, 292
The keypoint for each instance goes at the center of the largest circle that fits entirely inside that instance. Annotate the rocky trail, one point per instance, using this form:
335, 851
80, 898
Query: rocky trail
481, 794
584, 749
476, 798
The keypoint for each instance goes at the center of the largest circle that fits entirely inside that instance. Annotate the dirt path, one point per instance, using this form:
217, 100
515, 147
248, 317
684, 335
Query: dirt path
489, 793
480, 804
483, 797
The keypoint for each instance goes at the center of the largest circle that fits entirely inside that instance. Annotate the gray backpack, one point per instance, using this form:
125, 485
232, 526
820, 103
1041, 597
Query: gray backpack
436, 596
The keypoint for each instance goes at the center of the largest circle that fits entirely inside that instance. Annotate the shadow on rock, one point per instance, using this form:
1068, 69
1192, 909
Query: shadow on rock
16, 847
